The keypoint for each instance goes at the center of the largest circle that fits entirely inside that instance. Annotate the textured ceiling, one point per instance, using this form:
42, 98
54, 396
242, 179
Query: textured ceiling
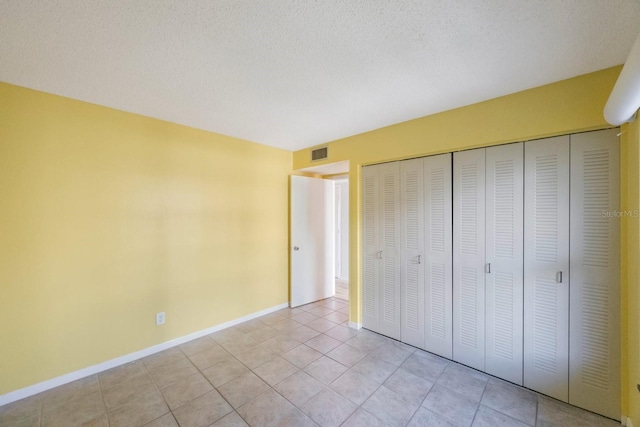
293, 74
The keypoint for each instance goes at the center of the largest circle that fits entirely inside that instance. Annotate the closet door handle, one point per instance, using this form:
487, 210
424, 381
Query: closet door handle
379, 254
489, 268
419, 259
559, 277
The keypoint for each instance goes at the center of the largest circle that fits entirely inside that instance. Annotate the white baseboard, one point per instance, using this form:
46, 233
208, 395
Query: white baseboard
100, 367
626, 421
355, 325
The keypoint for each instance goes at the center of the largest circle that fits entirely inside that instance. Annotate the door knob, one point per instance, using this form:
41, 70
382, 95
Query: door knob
295, 248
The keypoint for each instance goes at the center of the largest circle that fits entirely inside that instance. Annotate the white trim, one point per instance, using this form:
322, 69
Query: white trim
355, 325
626, 421
90, 370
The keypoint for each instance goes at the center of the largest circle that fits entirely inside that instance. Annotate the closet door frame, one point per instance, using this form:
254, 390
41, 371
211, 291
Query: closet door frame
469, 258
438, 193
412, 269
504, 258
546, 267
594, 365
390, 243
555, 293
371, 248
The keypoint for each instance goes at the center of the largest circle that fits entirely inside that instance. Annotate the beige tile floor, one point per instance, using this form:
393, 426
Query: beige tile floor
295, 367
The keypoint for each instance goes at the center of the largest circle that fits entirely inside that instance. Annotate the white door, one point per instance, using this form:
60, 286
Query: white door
438, 255
389, 175
594, 363
504, 258
371, 252
312, 240
412, 252
468, 257
344, 230
546, 266
338, 228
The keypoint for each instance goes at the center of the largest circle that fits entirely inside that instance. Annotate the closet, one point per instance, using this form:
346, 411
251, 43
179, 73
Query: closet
505, 259
381, 249
594, 266
546, 266
407, 256
488, 260
571, 270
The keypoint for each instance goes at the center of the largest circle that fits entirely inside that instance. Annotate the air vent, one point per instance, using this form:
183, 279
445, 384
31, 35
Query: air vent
319, 154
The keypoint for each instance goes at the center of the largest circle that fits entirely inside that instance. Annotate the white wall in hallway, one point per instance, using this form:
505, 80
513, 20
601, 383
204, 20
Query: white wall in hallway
342, 230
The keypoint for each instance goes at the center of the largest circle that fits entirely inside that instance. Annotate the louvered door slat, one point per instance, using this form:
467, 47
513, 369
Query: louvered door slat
370, 248
546, 266
390, 243
504, 254
412, 252
468, 258
439, 255
594, 379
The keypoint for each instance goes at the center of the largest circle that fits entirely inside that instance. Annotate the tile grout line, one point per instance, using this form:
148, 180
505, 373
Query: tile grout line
475, 414
104, 404
146, 368
221, 385
358, 406
396, 370
41, 410
216, 388
426, 394
284, 316
270, 387
325, 354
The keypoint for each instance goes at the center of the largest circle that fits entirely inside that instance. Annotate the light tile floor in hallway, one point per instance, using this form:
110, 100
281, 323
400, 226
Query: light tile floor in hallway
294, 367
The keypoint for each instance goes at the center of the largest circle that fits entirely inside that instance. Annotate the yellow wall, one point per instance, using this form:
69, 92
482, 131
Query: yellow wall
564, 107
630, 241
108, 217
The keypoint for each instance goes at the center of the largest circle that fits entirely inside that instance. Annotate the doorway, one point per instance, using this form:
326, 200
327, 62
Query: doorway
338, 173
342, 237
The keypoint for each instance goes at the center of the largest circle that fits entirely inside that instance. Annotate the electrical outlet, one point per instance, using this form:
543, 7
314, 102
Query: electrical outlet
160, 318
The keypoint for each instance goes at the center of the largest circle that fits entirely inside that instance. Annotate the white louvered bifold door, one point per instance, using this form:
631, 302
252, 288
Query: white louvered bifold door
468, 257
594, 363
371, 251
390, 243
438, 255
546, 266
412, 252
504, 259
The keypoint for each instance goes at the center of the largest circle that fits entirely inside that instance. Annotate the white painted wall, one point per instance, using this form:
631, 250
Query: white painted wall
342, 229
